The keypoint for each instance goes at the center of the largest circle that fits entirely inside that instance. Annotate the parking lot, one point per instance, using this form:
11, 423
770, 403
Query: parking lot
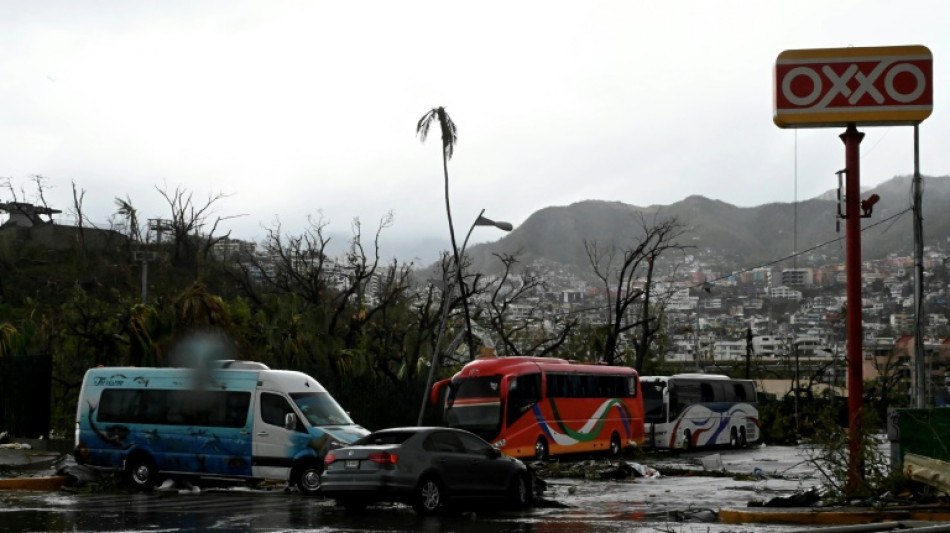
577, 499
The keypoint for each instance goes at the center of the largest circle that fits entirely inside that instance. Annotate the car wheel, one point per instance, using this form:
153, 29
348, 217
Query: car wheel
429, 496
541, 452
733, 438
520, 491
687, 440
615, 447
306, 477
141, 472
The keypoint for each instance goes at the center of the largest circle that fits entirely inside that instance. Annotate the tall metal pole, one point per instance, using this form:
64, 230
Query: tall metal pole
144, 280
852, 148
920, 365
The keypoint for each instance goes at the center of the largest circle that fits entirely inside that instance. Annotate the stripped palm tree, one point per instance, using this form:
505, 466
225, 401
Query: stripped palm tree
127, 210
449, 138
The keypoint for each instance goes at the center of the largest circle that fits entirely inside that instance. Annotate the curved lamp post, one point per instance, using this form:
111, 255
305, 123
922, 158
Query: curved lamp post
446, 300
480, 221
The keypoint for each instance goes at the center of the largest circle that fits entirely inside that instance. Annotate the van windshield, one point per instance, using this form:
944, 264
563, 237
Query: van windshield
320, 409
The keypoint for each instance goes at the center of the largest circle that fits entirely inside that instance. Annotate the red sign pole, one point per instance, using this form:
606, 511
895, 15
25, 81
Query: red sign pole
852, 152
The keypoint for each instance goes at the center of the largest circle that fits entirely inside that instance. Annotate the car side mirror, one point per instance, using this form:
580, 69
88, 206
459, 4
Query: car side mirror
290, 421
494, 453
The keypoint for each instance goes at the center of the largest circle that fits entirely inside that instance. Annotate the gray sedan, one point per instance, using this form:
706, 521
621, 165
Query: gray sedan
426, 467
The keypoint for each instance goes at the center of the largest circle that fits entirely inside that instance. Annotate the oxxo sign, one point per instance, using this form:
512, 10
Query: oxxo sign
837, 86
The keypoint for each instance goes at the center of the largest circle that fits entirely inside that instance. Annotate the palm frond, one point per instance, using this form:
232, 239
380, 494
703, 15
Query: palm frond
422, 128
449, 130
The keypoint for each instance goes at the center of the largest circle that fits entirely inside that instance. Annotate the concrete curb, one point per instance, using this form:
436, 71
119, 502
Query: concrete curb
829, 516
52, 483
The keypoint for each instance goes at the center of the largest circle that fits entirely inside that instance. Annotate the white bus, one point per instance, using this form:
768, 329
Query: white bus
238, 420
693, 410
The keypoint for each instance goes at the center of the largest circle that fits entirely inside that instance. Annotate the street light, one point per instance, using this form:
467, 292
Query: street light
446, 299
480, 221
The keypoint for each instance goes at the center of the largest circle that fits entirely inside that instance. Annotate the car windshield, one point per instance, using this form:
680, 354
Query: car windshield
320, 409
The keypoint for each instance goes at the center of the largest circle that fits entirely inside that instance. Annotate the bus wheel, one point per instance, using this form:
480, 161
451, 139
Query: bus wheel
733, 438
742, 438
141, 472
615, 447
306, 477
687, 440
541, 449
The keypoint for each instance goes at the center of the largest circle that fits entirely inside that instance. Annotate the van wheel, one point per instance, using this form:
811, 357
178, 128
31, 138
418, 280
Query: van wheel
541, 452
429, 496
306, 477
733, 438
615, 447
141, 472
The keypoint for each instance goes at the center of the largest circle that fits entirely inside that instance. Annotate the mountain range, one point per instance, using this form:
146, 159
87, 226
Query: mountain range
740, 237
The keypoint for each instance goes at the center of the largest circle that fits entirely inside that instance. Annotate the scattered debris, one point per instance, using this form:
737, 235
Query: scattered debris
927, 470
807, 498
713, 463
16, 446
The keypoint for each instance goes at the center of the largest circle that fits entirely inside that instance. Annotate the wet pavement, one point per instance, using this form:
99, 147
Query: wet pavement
577, 499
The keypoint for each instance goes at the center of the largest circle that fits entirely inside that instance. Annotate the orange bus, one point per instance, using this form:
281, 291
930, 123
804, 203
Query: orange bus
539, 407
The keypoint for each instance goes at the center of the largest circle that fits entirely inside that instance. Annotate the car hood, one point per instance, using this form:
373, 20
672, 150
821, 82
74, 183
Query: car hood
344, 434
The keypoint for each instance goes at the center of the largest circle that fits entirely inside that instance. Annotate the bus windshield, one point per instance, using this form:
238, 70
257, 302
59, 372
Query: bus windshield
654, 408
475, 404
320, 409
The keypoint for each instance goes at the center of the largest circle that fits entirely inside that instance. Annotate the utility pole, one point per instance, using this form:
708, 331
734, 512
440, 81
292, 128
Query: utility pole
920, 365
144, 256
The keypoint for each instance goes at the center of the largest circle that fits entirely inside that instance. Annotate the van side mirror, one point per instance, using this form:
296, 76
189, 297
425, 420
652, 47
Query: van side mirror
290, 421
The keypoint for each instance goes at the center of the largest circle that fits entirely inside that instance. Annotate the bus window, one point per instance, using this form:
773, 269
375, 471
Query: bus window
682, 396
740, 392
631, 390
523, 392
706, 393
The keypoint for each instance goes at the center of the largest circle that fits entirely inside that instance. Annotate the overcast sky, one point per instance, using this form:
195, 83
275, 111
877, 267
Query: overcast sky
294, 109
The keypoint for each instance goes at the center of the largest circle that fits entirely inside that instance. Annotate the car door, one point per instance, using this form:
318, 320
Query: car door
451, 462
489, 471
273, 443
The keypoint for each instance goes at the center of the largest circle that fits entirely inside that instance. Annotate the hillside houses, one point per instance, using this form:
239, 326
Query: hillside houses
769, 314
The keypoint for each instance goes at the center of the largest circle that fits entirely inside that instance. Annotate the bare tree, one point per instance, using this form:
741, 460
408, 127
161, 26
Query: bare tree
527, 335
189, 223
627, 276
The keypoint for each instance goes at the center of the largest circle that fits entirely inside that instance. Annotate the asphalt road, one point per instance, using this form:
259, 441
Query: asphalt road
677, 504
